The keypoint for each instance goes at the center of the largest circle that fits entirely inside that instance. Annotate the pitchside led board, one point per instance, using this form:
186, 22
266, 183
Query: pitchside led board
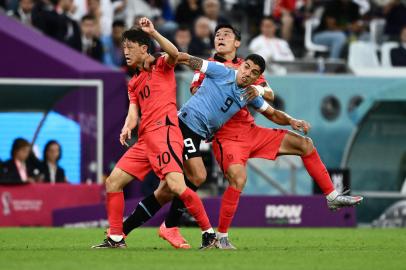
340, 178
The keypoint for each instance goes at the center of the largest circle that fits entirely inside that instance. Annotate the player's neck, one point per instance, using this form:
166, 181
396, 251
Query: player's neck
228, 56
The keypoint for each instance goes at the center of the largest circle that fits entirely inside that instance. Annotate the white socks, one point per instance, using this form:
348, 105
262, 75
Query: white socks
332, 196
208, 231
221, 235
116, 238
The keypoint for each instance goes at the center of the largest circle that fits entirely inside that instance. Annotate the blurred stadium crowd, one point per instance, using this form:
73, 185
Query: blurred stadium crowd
279, 30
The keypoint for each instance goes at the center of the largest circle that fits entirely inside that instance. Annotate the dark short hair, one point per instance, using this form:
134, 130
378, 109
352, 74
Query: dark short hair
88, 17
49, 143
229, 26
257, 60
18, 144
118, 23
183, 27
269, 18
136, 35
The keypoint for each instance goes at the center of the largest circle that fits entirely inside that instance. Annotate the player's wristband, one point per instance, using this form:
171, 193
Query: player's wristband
260, 89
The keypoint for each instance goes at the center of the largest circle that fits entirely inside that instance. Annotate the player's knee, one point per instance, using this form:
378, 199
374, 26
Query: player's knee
237, 179
238, 183
113, 184
175, 183
198, 177
307, 146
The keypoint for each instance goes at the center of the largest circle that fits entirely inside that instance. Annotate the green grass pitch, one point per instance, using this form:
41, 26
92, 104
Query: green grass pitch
48, 249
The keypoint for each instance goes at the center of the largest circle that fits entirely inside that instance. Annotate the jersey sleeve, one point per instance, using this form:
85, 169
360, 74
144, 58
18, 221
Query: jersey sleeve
197, 80
163, 65
259, 104
214, 69
132, 96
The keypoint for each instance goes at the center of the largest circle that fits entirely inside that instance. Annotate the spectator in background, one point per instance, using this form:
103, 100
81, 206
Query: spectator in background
398, 55
47, 20
282, 11
18, 170
201, 44
395, 16
188, 11
50, 171
268, 45
90, 45
339, 18
23, 12
182, 38
139, 8
211, 9
70, 30
113, 54
102, 11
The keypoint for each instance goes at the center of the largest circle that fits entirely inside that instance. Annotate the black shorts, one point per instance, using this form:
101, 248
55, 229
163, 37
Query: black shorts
191, 142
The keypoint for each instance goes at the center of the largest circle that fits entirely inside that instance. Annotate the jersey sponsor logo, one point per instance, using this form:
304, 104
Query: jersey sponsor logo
284, 214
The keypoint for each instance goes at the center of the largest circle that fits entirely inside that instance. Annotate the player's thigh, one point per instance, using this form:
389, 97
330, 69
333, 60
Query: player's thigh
135, 160
265, 142
295, 144
237, 176
164, 150
117, 180
228, 152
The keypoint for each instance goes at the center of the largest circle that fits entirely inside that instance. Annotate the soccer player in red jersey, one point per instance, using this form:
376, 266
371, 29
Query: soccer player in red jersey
240, 139
160, 142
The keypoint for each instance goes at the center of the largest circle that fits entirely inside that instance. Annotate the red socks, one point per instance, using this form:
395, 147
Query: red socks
115, 212
195, 207
318, 171
229, 205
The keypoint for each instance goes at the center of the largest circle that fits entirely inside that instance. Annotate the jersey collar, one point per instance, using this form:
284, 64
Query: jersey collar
220, 59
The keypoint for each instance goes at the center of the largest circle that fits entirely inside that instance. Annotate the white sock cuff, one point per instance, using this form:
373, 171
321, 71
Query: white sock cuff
208, 231
332, 196
221, 235
116, 238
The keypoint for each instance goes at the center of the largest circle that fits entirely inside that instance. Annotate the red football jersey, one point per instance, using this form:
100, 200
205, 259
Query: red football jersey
242, 118
154, 92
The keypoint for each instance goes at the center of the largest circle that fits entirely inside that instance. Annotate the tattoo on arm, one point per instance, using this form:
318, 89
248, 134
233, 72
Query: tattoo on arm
195, 63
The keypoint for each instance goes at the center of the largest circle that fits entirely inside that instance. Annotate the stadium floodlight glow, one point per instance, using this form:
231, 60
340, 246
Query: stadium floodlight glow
88, 84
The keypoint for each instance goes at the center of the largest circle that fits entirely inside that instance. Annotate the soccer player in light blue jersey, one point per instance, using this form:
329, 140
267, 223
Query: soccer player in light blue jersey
222, 94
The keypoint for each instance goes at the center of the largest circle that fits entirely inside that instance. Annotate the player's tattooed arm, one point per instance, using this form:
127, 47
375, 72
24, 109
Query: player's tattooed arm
193, 62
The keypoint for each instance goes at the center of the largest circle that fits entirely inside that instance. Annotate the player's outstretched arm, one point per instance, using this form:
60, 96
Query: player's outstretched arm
130, 123
282, 118
193, 62
148, 27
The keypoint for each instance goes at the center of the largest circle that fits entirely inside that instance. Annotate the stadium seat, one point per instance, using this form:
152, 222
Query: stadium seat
311, 47
362, 55
376, 28
385, 53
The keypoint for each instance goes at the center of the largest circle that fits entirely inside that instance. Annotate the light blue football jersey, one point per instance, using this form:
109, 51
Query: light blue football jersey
217, 100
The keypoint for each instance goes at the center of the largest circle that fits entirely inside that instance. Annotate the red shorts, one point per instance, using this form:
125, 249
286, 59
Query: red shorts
259, 142
159, 150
